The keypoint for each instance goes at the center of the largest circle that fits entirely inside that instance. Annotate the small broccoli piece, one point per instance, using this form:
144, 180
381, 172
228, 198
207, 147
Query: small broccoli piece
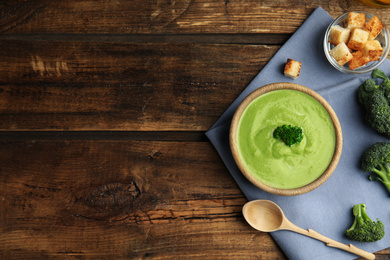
290, 135
376, 159
376, 73
363, 228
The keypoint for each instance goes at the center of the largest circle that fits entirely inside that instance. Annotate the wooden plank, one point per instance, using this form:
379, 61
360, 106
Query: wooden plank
122, 199
182, 16
210, 38
381, 255
175, 136
122, 86
207, 240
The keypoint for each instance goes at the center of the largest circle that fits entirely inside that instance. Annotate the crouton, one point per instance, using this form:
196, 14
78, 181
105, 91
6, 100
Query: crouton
341, 54
373, 50
355, 20
358, 39
338, 34
292, 68
358, 60
374, 26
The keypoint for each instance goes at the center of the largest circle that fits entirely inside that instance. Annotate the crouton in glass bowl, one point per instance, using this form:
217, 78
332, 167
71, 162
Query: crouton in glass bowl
356, 42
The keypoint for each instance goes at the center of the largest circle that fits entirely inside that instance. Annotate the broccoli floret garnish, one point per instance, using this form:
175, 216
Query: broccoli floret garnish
376, 100
290, 135
363, 228
376, 159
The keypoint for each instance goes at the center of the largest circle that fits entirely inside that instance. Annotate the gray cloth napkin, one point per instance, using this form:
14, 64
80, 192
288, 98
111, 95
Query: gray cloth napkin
328, 209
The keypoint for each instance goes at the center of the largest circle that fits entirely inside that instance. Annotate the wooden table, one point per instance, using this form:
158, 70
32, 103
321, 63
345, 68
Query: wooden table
103, 111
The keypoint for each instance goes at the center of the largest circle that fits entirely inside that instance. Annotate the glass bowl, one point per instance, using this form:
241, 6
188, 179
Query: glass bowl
383, 38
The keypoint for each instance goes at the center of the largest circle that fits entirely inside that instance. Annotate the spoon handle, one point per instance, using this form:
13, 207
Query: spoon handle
332, 243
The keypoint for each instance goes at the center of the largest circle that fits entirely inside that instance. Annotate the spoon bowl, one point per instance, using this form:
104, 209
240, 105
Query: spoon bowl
263, 215
267, 216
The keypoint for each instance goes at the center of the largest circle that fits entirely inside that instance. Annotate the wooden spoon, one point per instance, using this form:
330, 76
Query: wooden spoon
266, 216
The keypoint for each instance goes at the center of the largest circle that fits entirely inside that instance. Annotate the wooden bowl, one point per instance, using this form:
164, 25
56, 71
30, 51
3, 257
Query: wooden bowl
278, 191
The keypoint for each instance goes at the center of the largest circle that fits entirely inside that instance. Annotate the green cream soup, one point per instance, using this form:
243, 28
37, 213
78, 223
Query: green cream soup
270, 160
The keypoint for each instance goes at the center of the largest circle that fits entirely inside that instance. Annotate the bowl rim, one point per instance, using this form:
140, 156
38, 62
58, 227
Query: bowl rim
363, 69
234, 146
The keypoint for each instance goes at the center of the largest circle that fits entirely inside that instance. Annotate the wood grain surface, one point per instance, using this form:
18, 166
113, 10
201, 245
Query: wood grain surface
121, 199
165, 16
122, 86
103, 110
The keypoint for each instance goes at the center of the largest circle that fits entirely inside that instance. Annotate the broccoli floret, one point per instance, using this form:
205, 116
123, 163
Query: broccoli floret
376, 159
378, 116
375, 99
376, 73
290, 135
363, 228
385, 86
365, 91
